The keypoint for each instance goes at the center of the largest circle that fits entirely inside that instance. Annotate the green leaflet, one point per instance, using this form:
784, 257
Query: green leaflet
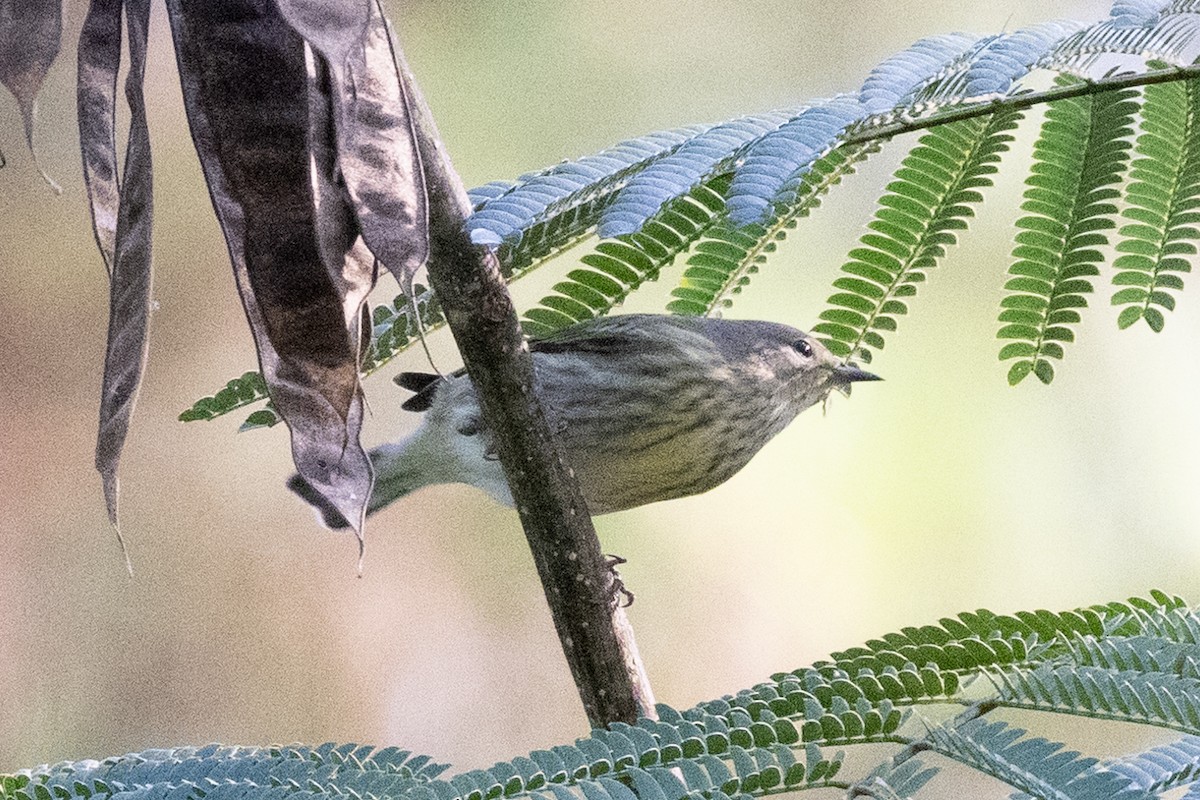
1155, 698
619, 266
724, 260
1120, 661
1149, 653
1163, 205
1035, 766
239, 392
393, 330
1082, 151
547, 237
930, 198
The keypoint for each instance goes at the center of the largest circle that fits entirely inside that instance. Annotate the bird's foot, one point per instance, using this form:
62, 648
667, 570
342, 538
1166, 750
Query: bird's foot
620, 596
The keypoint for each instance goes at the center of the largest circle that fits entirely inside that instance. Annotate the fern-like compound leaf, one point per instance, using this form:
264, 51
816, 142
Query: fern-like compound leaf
1161, 768
897, 781
240, 392
393, 330
1136, 13
1036, 766
1154, 698
618, 266
567, 186
1177, 625
693, 162
771, 179
930, 198
1082, 152
550, 235
822, 705
998, 64
1163, 205
1141, 653
1010, 57
721, 264
913, 69
1170, 37
482, 195
767, 179
776, 737
243, 772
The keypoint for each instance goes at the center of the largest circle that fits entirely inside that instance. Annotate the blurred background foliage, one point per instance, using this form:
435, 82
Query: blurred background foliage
937, 491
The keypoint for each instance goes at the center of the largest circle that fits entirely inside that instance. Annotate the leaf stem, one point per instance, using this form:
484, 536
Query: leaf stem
973, 711
885, 129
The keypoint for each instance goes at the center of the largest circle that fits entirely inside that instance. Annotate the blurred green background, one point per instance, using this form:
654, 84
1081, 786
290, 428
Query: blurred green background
937, 491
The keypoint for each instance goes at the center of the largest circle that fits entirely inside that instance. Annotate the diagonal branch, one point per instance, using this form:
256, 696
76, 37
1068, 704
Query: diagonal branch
579, 584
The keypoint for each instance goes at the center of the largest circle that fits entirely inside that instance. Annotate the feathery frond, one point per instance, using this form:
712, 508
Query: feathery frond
1163, 205
1149, 697
246, 390
928, 200
619, 266
393, 331
1137, 653
997, 65
1081, 153
1161, 768
721, 264
913, 69
1036, 766
1180, 625
769, 178
1170, 38
778, 736
896, 781
779, 164
692, 163
1132, 13
567, 187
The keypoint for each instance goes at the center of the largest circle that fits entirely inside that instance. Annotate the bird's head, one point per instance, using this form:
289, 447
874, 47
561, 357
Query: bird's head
798, 368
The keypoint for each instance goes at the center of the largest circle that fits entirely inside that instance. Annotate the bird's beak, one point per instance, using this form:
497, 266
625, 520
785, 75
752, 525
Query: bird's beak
846, 374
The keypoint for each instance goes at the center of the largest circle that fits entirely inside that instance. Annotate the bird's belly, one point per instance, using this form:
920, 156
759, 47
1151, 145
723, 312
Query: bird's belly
653, 464
640, 438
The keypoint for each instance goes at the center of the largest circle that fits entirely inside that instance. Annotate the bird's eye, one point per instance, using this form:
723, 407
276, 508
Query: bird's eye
803, 348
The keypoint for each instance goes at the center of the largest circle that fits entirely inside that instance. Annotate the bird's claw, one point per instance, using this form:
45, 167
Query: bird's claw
620, 596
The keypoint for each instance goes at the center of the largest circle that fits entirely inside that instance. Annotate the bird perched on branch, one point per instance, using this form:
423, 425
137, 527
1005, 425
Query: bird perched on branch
647, 407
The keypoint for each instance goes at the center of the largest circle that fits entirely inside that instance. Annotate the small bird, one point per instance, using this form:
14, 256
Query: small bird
647, 407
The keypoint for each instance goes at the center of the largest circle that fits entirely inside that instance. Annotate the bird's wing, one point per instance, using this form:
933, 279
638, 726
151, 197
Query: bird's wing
604, 336
619, 335
603, 344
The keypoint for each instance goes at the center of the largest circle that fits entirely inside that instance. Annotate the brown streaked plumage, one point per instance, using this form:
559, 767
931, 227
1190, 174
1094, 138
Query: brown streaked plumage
647, 407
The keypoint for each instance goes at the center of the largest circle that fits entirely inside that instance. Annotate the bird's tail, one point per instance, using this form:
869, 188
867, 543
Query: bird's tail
399, 469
